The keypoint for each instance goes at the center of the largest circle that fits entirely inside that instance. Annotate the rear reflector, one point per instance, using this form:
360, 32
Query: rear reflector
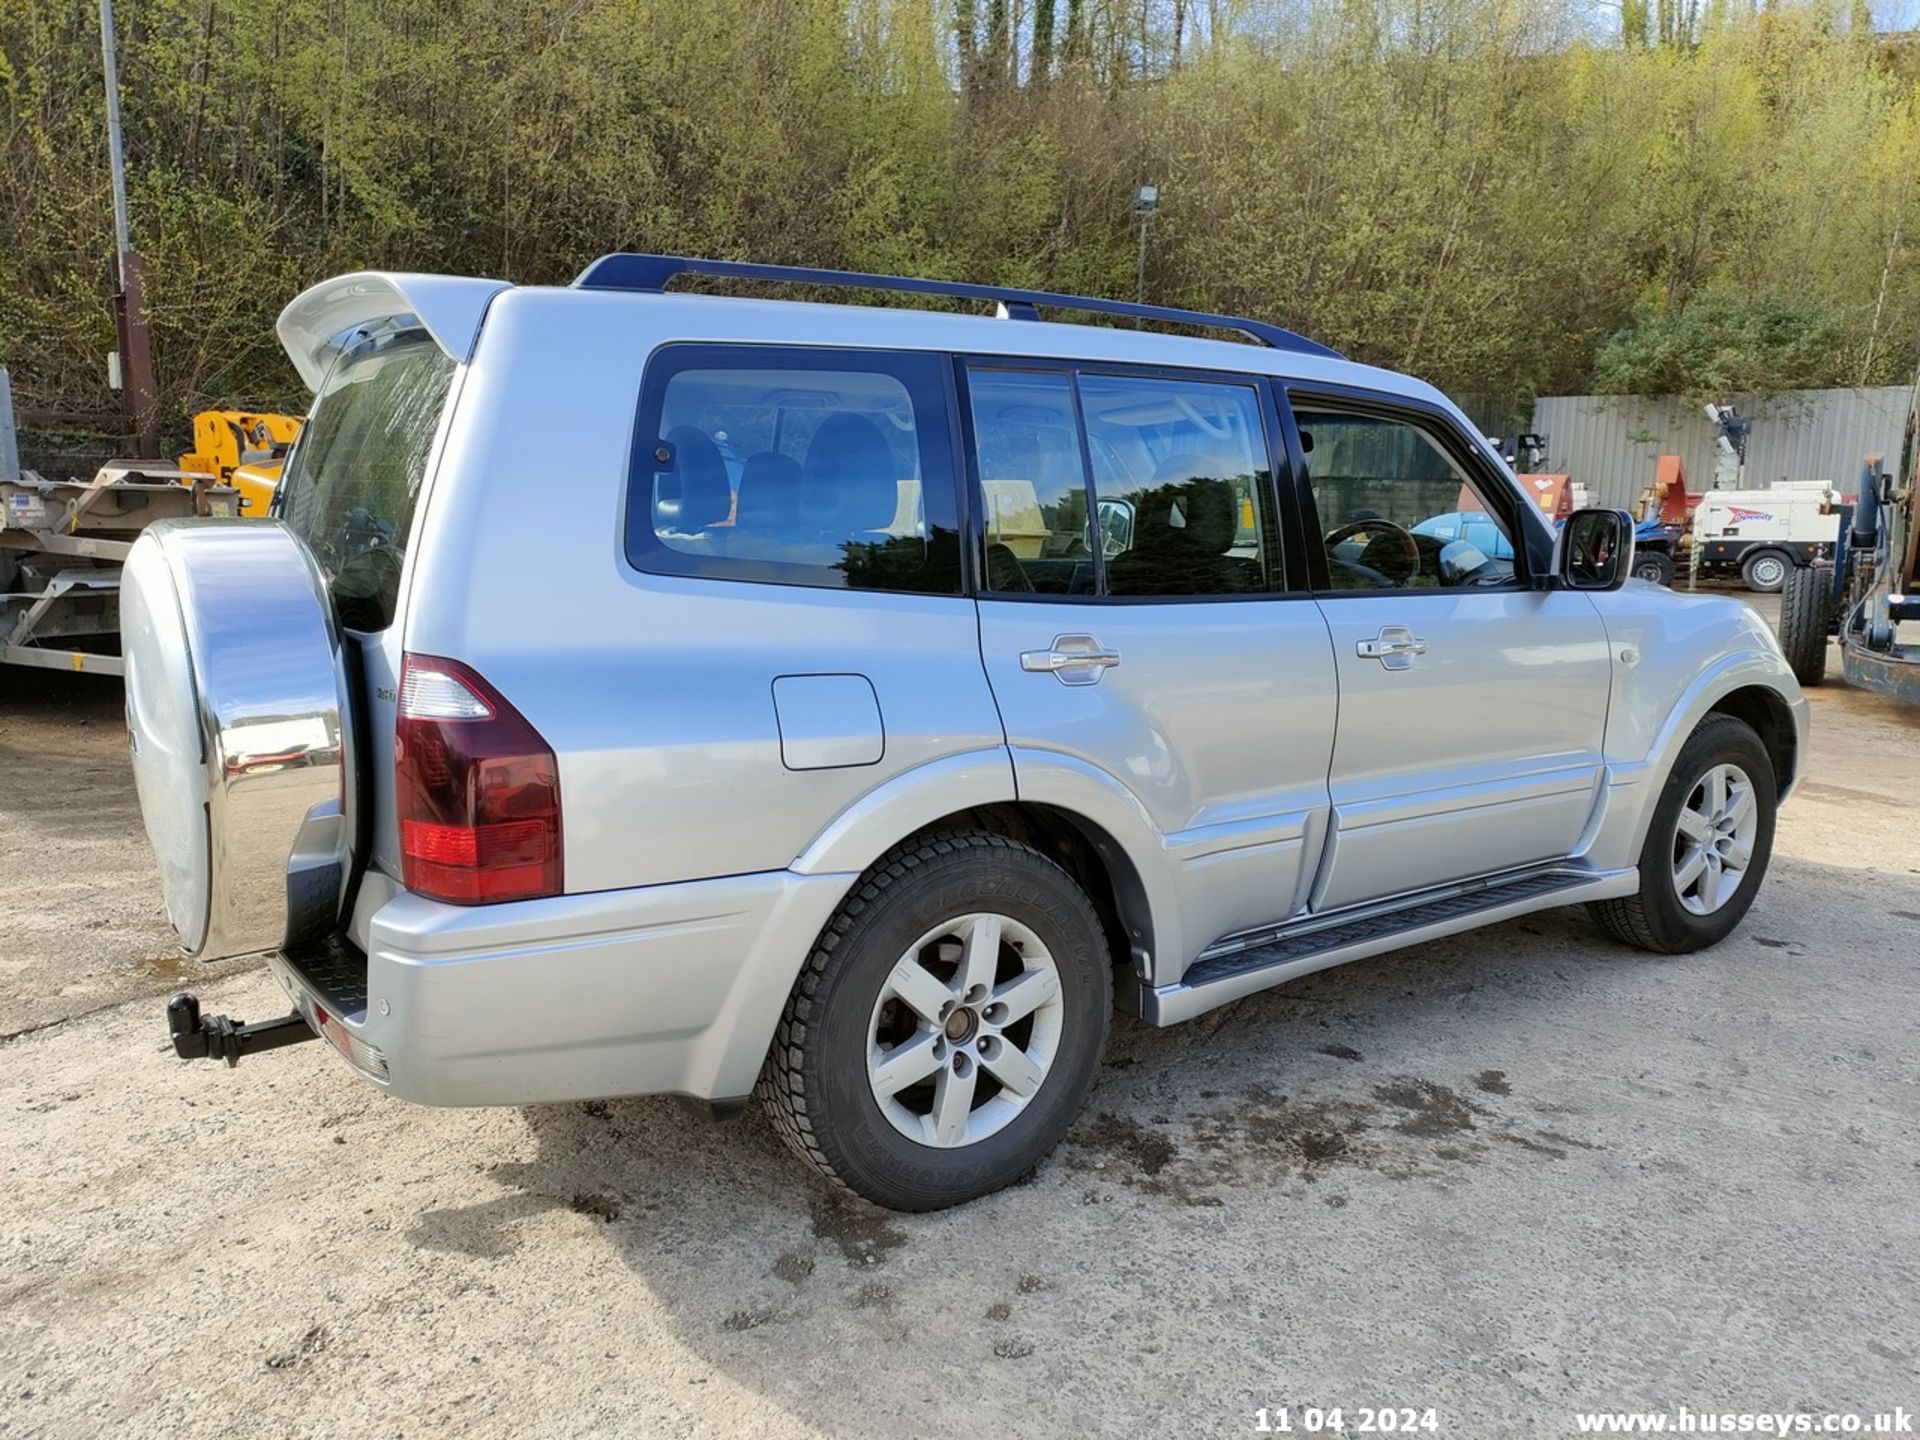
478, 790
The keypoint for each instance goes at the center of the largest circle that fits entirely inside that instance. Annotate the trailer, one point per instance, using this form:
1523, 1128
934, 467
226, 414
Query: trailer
1764, 534
62, 543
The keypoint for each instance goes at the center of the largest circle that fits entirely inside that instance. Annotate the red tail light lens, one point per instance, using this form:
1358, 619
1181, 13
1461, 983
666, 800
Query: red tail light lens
478, 790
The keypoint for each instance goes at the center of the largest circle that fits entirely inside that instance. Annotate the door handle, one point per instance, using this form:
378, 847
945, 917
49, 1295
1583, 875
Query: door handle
1073, 660
1394, 647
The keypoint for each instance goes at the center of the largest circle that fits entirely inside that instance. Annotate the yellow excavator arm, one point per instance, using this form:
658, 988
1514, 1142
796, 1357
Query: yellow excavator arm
243, 449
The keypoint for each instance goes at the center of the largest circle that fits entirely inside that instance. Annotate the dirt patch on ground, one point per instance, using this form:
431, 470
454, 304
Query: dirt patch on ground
861, 1233
1428, 1111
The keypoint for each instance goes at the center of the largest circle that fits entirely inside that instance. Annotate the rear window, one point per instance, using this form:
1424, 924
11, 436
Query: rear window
354, 476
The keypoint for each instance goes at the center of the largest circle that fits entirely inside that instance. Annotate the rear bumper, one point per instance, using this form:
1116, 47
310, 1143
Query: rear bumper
668, 989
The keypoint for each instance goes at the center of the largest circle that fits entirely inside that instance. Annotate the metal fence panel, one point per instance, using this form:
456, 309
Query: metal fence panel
1610, 443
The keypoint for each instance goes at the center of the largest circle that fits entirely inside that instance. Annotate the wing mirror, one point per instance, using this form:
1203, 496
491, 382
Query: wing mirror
1594, 550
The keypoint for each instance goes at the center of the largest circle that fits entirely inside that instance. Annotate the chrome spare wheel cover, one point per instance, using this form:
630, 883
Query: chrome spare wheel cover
1713, 839
238, 714
965, 1031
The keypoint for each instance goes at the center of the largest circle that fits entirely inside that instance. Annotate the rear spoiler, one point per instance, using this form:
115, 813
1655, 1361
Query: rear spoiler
316, 323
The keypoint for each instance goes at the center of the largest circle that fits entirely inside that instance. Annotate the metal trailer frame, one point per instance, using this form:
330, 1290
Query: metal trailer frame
62, 543
1874, 592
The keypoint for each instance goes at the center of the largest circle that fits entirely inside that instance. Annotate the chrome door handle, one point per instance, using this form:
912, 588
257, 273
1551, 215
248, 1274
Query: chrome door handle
1073, 660
1394, 647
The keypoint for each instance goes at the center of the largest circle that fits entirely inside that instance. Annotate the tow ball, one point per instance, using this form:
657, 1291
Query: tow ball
221, 1038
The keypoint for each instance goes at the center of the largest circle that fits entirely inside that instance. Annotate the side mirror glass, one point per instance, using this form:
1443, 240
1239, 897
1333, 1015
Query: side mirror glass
1594, 550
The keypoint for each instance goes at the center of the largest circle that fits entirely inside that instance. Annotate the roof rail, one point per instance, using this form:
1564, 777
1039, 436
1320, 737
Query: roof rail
656, 272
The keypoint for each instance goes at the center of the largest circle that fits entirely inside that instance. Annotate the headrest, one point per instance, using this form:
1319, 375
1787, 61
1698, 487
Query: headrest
849, 474
1192, 504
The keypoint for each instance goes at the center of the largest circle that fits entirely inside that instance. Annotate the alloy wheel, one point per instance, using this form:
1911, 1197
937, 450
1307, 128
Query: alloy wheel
1713, 839
965, 1030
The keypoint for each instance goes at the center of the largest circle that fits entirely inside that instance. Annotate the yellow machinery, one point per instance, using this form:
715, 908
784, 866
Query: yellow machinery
244, 450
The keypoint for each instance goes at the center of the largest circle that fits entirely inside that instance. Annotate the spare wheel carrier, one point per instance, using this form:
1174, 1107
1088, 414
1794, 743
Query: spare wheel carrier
242, 730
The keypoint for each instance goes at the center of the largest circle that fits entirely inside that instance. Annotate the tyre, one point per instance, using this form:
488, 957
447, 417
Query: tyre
1766, 570
1654, 565
945, 1031
1805, 611
1707, 848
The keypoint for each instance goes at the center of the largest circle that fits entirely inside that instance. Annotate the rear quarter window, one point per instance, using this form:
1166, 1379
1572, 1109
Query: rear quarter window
828, 468
353, 479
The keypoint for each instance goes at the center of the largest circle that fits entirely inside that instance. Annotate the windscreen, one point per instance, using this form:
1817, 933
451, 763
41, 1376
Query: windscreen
355, 474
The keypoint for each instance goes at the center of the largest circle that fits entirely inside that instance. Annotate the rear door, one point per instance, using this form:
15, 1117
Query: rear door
1472, 706
1133, 618
349, 492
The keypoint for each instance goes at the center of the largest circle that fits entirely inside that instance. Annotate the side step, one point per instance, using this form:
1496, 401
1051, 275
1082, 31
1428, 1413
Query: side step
1222, 975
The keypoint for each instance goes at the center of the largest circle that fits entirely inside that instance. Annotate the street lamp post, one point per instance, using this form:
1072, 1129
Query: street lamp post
1145, 201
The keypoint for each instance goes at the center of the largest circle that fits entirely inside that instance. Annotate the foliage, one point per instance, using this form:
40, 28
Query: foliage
1722, 343
1479, 190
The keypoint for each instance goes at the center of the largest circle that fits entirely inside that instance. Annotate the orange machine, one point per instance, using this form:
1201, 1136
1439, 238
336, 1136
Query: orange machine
1552, 493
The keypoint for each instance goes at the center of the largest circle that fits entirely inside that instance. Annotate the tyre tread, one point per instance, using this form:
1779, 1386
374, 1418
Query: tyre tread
782, 1087
1626, 918
1804, 602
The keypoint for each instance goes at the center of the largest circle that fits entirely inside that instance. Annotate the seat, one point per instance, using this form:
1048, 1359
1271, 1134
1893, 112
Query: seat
1182, 530
694, 495
769, 503
848, 485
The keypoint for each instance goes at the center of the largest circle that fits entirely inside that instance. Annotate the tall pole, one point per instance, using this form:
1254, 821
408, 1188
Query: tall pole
1140, 282
1146, 200
129, 302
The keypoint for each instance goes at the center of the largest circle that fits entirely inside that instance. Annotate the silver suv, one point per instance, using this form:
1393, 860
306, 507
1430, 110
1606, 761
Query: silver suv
641, 692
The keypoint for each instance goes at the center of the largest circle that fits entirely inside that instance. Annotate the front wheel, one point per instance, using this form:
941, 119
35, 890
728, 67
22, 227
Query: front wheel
1708, 845
946, 1028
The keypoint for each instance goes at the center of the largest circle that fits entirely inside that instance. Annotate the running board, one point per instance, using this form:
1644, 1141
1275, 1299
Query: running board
1218, 978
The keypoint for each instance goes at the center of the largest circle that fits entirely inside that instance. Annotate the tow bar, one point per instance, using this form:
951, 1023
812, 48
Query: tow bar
221, 1038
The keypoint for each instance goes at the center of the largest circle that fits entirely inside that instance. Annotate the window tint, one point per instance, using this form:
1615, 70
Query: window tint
812, 468
354, 476
1178, 501
1395, 511
1180, 485
1033, 487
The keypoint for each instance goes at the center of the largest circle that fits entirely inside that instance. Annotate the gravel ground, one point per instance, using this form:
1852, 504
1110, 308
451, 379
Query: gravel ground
1509, 1176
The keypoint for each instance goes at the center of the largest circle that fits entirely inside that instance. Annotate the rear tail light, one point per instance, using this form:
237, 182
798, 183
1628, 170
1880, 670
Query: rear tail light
478, 790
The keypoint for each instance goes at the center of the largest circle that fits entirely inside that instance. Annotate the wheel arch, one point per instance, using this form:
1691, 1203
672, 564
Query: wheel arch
1766, 711
1754, 686
1086, 823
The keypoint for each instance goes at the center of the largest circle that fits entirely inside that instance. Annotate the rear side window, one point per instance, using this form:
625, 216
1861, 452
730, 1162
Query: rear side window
1133, 486
1180, 484
801, 467
354, 477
